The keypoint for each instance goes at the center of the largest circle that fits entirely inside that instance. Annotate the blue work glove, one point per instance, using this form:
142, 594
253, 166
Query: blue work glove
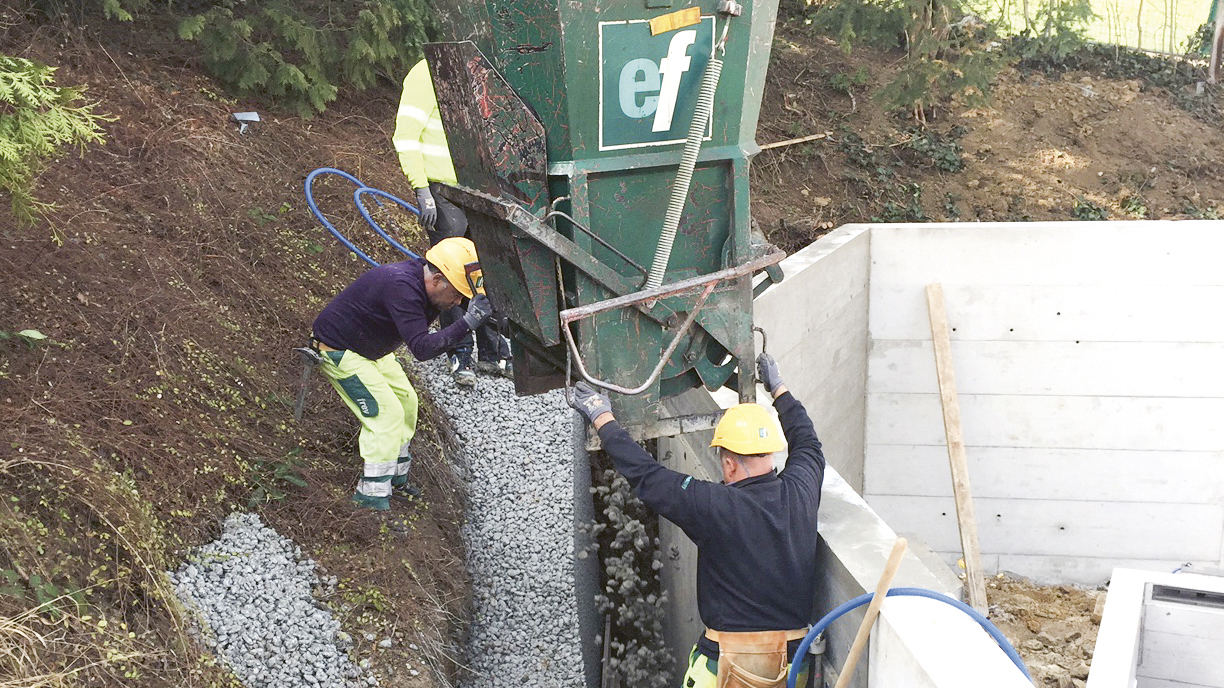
590, 402
427, 206
767, 372
479, 310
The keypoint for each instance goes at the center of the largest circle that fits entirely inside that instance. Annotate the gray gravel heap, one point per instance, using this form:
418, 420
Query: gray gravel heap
252, 590
519, 530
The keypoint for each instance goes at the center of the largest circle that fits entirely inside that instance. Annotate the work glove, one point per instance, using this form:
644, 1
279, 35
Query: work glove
427, 206
767, 372
478, 311
589, 401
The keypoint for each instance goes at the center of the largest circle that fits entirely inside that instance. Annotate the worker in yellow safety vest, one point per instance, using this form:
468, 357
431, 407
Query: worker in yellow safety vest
420, 143
755, 532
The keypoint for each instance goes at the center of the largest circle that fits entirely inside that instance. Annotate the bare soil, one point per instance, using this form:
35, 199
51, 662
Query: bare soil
181, 265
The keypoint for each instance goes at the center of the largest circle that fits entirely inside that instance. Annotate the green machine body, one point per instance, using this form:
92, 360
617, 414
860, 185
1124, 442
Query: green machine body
602, 151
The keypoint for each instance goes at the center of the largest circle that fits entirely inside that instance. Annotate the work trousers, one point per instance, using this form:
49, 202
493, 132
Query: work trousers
452, 222
703, 672
379, 394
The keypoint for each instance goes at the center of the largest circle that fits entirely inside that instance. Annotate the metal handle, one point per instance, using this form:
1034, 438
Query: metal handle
706, 283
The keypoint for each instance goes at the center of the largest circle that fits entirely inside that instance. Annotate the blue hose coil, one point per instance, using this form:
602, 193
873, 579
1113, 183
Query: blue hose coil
362, 190
793, 676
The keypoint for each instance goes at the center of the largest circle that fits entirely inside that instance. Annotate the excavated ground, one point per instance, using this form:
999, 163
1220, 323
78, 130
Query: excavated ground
181, 264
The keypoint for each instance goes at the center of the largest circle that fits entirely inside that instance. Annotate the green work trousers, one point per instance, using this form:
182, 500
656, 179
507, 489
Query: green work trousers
379, 394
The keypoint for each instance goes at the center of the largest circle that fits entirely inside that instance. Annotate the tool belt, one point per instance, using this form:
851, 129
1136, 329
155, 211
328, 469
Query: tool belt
757, 659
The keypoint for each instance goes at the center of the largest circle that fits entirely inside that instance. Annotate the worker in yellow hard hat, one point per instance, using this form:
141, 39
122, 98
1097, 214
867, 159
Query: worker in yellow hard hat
357, 333
420, 144
755, 531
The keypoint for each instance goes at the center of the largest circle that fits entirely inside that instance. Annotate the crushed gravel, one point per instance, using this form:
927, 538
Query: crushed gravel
252, 588
519, 530
252, 591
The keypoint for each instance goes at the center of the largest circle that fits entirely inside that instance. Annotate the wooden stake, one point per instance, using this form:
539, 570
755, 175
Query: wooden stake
975, 581
873, 609
791, 142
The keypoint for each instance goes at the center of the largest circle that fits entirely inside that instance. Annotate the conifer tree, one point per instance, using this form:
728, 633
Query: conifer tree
36, 120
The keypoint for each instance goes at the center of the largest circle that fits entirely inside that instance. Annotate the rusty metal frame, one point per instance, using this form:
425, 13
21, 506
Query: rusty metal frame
706, 283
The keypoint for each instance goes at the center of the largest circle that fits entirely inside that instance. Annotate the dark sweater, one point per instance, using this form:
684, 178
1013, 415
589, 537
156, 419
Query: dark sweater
756, 539
384, 307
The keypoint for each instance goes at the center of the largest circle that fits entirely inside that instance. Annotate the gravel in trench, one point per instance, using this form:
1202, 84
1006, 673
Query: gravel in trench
519, 530
252, 588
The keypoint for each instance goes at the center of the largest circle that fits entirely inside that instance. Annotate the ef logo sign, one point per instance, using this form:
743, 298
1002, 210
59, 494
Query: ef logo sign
649, 84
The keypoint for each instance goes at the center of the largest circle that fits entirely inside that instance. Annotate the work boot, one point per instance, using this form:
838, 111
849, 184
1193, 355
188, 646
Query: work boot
503, 367
407, 492
461, 369
374, 503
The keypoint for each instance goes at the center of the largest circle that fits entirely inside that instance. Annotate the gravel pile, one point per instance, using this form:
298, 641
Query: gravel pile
252, 590
519, 530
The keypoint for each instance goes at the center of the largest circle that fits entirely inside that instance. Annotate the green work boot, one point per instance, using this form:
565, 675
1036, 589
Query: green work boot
374, 503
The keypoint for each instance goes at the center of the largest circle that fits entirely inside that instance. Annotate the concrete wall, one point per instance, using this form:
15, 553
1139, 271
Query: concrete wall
816, 324
1149, 642
1088, 359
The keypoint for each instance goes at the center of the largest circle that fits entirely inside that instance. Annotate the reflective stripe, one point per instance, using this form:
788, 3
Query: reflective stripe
374, 488
404, 146
380, 469
408, 110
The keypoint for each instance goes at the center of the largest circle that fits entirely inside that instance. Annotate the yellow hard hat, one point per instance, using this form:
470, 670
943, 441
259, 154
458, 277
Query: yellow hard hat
456, 258
748, 429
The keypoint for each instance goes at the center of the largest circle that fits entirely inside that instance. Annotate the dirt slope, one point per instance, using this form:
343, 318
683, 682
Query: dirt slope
1118, 148
182, 264
177, 272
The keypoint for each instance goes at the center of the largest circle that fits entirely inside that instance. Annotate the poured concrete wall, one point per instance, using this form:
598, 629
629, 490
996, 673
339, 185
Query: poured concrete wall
1089, 361
1150, 640
816, 327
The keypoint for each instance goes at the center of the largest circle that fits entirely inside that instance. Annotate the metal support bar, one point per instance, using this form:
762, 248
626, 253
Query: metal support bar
602, 242
569, 337
706, 283
673, 289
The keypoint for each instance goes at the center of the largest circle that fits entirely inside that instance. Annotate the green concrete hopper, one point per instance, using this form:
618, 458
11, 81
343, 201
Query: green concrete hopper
567, 121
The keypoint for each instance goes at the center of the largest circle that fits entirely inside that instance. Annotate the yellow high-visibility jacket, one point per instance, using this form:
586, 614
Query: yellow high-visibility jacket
420, 141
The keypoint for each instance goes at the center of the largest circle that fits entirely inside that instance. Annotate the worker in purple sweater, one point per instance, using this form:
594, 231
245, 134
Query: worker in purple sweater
358, 333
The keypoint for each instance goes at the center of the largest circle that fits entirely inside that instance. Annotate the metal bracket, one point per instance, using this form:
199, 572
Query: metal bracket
706, 283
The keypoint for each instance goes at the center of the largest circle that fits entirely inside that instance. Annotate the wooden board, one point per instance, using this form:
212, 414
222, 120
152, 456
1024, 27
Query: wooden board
1179, 532
975, 582
1055, 474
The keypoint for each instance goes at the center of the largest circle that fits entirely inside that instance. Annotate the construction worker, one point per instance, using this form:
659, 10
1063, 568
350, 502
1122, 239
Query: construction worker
755, 532
420, 143
358, 332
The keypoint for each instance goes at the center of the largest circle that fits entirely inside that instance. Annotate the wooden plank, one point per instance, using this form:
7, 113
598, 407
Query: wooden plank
1055, 474
1130, 369
1053, 422
1053, 253
1176, 532
1043, 312
975, 581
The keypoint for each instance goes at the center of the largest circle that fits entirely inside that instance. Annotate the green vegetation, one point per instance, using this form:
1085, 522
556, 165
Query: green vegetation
1085, 209
299, 53
37, 119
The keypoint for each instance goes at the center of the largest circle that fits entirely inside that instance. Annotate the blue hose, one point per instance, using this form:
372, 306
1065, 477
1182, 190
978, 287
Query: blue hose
863, 599
362, 189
